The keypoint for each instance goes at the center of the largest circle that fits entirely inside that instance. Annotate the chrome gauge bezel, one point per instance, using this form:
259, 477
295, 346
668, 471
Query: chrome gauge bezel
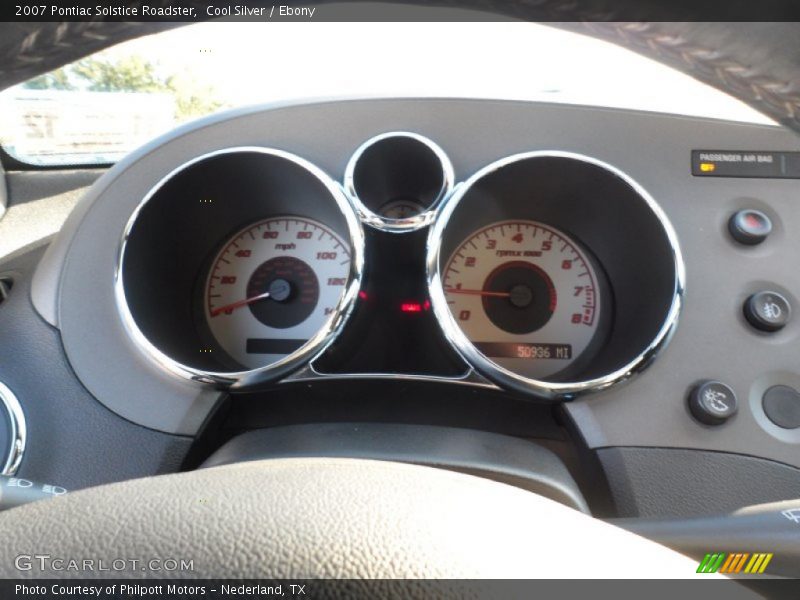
300, 357
18, 433
412, 223
502, 376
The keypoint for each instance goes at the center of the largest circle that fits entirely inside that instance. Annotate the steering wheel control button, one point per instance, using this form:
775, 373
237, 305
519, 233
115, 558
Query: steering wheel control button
749, 227
767, 311
782, 406
712, 402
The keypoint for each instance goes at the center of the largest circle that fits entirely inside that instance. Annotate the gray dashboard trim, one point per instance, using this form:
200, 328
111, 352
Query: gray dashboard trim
675, 482
72, 439
38, 204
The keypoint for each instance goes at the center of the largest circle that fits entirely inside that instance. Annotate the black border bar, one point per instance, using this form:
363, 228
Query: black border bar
709, 588
398, 10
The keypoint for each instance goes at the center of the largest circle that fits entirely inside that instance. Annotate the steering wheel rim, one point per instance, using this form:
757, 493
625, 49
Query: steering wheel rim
324, 518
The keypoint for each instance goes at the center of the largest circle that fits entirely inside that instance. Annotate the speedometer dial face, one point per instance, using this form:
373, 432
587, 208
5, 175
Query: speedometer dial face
273, 286
525, 295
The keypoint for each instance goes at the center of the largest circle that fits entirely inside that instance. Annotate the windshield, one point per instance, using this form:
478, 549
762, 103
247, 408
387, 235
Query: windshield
98, 109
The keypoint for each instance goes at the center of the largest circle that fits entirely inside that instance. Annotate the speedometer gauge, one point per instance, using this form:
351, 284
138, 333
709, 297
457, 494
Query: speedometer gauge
273, 286
526, 295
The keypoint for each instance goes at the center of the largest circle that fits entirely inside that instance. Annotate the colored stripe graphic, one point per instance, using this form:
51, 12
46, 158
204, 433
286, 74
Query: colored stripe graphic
711, 562
734, 563
721, 562
729, 564
758, 563
704, 564
740, 563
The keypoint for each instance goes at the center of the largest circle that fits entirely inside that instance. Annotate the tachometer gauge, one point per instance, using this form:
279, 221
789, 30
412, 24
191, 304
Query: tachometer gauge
526, 295
273, 286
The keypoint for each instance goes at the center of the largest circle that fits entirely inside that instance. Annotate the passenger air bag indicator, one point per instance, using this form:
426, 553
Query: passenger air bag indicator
745, 163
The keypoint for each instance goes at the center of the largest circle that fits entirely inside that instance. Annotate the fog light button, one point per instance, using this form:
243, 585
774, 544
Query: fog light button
767, 311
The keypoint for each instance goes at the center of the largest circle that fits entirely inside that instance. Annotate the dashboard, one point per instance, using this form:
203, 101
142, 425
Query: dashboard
445, 261
247, 263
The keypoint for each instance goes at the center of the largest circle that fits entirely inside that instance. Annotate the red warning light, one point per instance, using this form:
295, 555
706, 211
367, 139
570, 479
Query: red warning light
753, 221
363, 295
415, 307
411, 307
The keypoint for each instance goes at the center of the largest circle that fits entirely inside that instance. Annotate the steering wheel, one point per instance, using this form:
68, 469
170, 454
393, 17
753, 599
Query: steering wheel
324, 518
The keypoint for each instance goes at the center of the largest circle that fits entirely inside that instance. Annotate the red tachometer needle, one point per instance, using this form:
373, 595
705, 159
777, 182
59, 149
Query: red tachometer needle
238, 304
477, 293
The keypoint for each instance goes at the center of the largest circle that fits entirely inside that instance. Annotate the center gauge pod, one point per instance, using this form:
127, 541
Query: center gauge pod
397, 181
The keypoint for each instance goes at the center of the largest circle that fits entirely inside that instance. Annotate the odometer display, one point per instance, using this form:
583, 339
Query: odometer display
523, 350
526, 295
273, 286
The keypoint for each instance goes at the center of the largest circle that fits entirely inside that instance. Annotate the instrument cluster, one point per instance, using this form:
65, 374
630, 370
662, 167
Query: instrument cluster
547, 273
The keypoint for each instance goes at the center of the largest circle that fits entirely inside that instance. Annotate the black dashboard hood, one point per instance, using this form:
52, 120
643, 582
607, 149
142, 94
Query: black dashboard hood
757, 62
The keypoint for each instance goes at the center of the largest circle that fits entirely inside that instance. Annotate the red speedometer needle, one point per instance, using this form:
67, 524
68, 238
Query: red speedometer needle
477, 293
238, 304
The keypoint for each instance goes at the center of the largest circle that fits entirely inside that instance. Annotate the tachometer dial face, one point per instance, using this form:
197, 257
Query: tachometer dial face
273, 286
526, 296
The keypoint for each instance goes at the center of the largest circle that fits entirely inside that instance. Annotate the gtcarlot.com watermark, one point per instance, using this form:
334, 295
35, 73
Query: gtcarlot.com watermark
47, 563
